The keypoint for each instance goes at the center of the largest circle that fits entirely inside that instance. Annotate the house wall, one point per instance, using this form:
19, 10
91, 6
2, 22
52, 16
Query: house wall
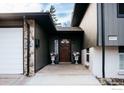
96, 61
113, 26
11, 50
76, 45
28, 40
11, 23
84, 58
99, 24
76, 42
111, 62
41, 52
89, 26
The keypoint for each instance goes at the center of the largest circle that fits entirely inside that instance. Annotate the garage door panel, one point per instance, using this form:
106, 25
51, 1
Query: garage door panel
5, 44
10, 67
12, 55
11, 72
3, 62
11, 50
11, 59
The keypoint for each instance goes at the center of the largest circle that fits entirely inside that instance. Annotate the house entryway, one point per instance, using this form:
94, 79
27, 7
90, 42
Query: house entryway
65, 46
61, 74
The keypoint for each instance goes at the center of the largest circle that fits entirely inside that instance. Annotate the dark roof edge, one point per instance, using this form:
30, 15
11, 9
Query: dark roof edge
27, 15
79, 12
52, 21
24, 14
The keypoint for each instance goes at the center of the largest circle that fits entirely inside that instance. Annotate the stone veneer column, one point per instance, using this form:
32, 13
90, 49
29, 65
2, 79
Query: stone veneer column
29, 47
25, 46
32, 47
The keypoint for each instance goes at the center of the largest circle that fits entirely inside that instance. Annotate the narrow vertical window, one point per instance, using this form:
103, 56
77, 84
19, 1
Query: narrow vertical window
56, 46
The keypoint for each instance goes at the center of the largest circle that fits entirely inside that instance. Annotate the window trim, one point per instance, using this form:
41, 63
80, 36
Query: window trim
121, 71
119, 15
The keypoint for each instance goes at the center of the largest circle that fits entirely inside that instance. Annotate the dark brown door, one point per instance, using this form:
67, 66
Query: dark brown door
65, 51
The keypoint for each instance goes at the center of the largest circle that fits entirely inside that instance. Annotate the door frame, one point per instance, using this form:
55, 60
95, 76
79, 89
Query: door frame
60, 46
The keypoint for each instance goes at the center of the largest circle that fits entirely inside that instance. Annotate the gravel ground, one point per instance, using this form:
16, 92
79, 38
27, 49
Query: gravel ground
111, 81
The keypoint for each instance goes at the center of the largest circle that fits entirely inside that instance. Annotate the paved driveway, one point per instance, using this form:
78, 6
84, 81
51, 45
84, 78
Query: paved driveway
10, 79
62, 74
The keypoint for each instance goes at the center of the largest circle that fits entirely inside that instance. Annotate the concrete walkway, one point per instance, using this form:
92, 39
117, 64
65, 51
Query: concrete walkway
10, 79
61, 74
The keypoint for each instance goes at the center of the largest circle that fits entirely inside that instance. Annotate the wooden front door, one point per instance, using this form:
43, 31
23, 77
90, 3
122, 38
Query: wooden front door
65, 50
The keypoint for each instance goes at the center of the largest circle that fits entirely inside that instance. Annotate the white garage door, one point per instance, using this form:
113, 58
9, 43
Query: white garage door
11, 50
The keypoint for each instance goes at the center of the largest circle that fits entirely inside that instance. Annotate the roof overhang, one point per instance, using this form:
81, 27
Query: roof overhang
44, 19
79, 11
69, 29
65, 31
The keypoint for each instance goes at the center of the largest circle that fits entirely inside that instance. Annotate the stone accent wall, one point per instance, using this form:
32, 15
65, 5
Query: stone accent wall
32, 47
29, 47
25, 46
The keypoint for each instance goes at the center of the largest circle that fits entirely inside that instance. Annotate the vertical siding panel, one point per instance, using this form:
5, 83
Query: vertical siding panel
115, 23
99, 25
120, 29
106, 18
110, 13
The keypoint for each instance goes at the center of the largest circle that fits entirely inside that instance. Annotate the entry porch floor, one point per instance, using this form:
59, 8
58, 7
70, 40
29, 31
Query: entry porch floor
60, 74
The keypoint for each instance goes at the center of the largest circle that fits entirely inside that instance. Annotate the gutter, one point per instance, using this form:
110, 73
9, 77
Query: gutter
103, 41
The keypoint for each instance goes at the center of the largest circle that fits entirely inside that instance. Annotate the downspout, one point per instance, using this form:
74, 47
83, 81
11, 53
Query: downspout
103, 40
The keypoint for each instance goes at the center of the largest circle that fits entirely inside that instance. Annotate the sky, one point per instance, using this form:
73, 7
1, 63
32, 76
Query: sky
63, 10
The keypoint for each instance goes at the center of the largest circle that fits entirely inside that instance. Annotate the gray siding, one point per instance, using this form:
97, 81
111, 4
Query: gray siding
114, 26
42, 51
99, 25
110, 24
92, 25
